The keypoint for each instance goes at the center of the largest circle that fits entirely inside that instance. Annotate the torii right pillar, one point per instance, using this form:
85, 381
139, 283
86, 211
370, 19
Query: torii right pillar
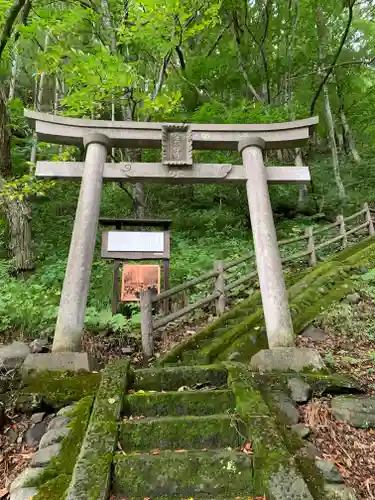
270, 272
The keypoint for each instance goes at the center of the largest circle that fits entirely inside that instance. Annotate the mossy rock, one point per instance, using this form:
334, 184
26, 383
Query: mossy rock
193, 474
153, 404
54, 481
59, 389
187, 432
92, 472
172, 378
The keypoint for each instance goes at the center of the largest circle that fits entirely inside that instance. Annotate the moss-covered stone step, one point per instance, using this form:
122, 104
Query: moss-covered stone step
196, 474
155, 404
172, 433
172, 378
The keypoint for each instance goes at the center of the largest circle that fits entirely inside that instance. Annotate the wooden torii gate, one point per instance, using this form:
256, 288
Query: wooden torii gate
177, 142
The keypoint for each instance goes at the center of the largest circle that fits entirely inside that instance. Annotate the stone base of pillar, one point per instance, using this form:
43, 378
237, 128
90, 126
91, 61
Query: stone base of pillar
58, 361
287, 359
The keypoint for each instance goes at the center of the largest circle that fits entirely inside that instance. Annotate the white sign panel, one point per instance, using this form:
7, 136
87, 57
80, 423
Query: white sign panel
135, 241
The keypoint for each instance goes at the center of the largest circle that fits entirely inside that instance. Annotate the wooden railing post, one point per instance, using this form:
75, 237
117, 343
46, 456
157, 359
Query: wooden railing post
146, 323
220, 287
371, 229
311, 246
340, 220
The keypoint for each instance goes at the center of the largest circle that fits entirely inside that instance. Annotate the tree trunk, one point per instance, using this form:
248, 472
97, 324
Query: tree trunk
332, 143
138, 201
349, 137
302, 194
13, 77
38, 103
18, 212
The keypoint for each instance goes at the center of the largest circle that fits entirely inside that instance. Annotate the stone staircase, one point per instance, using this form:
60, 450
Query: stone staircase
240, 333
202, 433
183, 440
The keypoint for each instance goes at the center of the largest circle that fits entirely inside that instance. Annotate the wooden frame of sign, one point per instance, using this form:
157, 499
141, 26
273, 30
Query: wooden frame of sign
126, 254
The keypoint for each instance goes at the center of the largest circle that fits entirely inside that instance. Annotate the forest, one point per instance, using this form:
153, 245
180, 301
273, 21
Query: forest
219, 61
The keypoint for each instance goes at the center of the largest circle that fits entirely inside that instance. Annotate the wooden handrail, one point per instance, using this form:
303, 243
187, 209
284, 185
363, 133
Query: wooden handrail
357, 214
293, 240
158, 323
184, 286
234, 263
221, 289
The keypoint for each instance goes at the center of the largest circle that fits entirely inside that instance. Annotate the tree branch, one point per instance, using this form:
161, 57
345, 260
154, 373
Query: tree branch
9, 23
161, 76
337, 55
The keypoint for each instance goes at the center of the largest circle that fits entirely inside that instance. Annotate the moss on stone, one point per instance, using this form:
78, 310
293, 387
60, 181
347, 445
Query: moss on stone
185, 475
153, 404
59, 389
322, 383
172, 378
211, 352
204, 336
187, 432
92, 472
54, 480
54, 489
274, 444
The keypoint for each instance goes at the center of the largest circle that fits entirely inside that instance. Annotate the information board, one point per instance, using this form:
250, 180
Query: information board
135, 241
138, 277
135, 245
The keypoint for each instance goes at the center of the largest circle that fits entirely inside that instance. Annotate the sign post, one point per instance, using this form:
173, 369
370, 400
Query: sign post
122, 245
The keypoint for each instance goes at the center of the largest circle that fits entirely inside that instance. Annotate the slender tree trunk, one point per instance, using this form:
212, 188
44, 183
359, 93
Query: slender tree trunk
38, 103
321, 30
13, 76
302, 194
349, 137
332, 143
18, 212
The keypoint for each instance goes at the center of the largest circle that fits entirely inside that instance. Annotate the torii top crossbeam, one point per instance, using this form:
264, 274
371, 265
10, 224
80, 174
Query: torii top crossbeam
177, 142
128, 134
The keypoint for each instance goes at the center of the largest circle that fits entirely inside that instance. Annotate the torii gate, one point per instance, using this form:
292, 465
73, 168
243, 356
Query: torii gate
177, 141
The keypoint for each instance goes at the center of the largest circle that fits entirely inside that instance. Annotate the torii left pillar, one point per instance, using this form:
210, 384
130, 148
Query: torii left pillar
70, 321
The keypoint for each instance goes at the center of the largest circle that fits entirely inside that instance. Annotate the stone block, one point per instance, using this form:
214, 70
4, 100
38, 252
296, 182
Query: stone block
58, 361
286, 359
300, 391
301, 430
36, 418
58, 423
12, 355
340, 492
288, 484
314, 333
43, 456
25, 476
329, 470
35, 433
23, 494
357, 411
52, 437
286, 406
65, 411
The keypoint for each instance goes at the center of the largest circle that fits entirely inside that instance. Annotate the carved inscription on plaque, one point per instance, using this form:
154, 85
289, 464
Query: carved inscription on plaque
177, 145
